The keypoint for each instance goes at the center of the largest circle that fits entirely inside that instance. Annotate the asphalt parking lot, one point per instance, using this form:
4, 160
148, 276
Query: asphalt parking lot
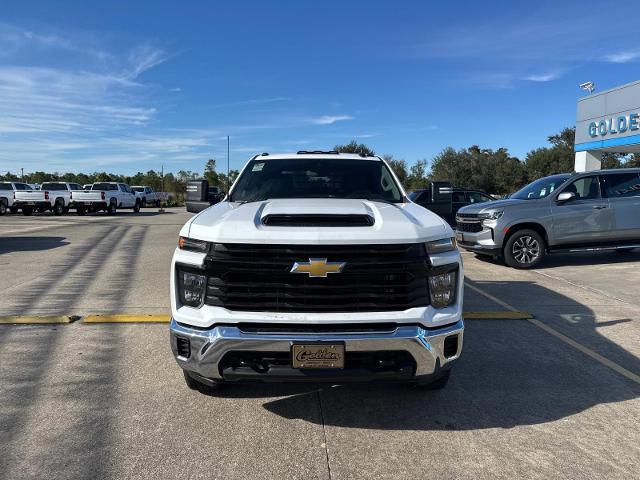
555, 396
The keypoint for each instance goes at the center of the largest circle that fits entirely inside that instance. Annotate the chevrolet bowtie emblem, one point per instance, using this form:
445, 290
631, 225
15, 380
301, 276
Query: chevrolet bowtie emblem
318, 267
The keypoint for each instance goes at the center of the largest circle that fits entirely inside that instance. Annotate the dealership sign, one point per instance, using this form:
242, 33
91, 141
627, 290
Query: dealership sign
614, 125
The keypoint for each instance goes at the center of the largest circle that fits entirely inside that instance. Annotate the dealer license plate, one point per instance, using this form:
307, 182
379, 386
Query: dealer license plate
317, 355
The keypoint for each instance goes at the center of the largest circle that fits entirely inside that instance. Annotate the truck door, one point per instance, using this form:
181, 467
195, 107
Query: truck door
585, 219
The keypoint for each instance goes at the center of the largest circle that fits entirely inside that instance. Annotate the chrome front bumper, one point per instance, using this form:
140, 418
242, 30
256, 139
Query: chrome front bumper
209, 346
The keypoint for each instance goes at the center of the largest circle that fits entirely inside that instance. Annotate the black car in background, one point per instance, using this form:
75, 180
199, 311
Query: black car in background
441, 198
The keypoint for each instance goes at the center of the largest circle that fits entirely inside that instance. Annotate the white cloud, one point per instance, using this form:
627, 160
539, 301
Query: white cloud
543, 77
623, 57
329, 119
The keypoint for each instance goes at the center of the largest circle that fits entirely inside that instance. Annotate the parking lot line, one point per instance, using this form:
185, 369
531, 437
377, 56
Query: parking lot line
569, 341
123, 318
15, 320
498, 315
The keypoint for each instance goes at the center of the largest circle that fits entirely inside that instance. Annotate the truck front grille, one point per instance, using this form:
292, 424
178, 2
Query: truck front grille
247, 277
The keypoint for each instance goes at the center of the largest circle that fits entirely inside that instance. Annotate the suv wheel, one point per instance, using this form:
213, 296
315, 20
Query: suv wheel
3, 207
524, 249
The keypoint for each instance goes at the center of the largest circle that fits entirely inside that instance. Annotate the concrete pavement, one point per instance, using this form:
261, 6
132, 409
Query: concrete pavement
107, 400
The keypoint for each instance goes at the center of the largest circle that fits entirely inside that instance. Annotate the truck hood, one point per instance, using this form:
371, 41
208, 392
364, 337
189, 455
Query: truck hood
490, 206
242, 223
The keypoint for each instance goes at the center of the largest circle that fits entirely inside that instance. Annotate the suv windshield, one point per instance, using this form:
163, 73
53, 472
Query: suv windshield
540, 188
316, 178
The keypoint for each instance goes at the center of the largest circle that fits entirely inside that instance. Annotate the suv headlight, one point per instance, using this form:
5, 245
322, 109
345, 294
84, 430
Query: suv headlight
192, 287
494, 215
443, 245
443, 283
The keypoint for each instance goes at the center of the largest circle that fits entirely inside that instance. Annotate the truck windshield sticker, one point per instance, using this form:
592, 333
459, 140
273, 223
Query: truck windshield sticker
258, 167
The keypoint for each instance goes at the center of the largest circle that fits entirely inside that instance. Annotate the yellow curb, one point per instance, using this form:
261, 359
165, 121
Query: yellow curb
34, 320
500, 315
127, 319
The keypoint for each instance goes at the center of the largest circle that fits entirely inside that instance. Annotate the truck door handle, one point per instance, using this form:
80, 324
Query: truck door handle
599, 207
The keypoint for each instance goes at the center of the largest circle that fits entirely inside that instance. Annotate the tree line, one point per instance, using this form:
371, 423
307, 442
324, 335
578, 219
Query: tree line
494, 171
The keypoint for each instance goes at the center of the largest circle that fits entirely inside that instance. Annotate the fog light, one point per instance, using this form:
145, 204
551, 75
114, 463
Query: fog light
442, 288
192, 288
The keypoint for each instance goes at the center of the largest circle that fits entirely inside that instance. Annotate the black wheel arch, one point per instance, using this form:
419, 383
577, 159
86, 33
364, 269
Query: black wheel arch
536, 227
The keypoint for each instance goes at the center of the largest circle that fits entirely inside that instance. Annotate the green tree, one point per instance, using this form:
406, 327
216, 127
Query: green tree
210, 173
559, 158
417, 175
355, 147
399, 167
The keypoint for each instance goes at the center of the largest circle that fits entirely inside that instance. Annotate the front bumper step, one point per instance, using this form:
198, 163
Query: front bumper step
409, 352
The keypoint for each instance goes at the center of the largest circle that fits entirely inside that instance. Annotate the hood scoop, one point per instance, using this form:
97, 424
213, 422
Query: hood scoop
317, 220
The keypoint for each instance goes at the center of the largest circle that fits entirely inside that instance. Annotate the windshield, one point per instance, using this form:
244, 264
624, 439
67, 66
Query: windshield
316, 178
540, 188
137, 189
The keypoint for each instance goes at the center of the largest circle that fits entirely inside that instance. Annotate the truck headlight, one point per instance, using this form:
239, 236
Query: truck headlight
443, 283
185, 243
192, 288
440, 246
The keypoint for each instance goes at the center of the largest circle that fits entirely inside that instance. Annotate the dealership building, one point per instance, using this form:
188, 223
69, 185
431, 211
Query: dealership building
607, 121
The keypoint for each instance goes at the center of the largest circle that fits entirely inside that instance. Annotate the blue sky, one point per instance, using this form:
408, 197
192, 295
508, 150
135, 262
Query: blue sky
128, 86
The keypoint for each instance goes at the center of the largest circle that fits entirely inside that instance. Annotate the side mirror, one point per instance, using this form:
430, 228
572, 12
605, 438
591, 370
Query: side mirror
565, 197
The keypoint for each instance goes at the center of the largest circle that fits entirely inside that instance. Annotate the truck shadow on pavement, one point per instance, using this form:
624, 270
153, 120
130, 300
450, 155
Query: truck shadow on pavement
30, 244
511, 373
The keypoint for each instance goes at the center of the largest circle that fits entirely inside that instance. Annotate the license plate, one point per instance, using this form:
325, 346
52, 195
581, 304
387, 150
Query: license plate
31, 203
460, 236
317, 355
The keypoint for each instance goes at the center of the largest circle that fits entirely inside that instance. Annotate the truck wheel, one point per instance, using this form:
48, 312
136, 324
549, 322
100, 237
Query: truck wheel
194, 384
27, 211
136, 207
524, 249
58, 208
111, 209
438, 384
3, 207
81, 211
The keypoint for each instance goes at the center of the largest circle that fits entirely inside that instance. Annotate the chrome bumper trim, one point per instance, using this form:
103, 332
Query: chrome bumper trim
208, 346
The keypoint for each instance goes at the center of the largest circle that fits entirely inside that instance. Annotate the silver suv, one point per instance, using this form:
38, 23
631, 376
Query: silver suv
590, 211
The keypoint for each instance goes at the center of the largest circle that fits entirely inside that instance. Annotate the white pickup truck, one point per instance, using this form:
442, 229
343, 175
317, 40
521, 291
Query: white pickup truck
8, 195
107, 196
147, 195
54, 196
316, 267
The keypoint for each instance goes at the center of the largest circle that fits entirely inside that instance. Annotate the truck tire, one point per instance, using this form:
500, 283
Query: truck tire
27, 211
3, 206
112, 209
438, 384
136, 207
194, 384
81, 210
58, 207
524, 249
